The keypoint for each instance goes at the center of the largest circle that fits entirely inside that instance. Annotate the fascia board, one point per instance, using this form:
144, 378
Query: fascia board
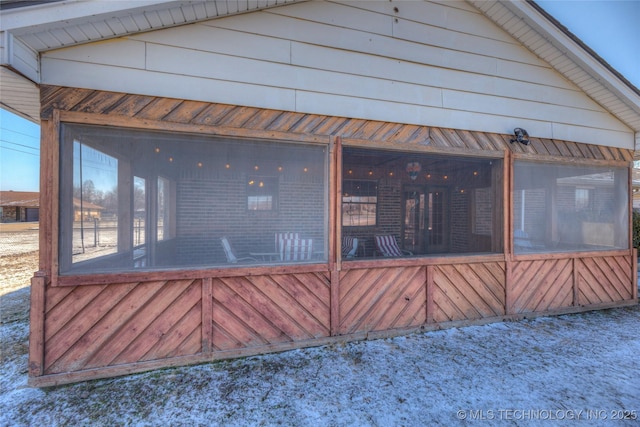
574, 51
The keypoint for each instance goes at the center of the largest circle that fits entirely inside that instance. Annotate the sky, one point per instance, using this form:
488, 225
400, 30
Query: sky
609, 27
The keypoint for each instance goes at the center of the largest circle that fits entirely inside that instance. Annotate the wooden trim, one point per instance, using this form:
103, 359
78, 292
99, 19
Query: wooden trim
166, 275
579, 161
138, 367
576, 282
224, 131
634, 274
335, 152
335, 256
508, 291
48, 132
421, 261
144, 276
54, 204
36, 325
630, 205
430, 305
398, 146
207, 315
334, 303
508, 205
570, 255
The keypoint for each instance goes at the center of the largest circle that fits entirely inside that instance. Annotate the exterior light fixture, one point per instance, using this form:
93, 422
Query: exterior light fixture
413, 169
521, 136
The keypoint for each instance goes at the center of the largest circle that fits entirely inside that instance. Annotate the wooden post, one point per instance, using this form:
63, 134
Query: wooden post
507, 232
430, 304
576, 283
207, 315
337, 196
335, 232
508, 283
634, 273
36, 325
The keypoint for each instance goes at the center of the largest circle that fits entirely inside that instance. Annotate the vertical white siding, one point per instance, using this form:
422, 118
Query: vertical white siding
439, 64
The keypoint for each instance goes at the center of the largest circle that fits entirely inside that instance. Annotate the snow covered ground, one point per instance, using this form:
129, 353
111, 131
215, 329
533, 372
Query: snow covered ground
580, 369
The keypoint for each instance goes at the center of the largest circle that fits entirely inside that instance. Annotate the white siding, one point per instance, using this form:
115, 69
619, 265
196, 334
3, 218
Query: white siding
19, 95
437, 64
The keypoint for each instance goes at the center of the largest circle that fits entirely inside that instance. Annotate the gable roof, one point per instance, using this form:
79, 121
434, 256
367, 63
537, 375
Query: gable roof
27, 199
29, 31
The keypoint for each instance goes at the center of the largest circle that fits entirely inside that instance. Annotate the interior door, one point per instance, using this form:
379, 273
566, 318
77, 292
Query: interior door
425, 225
413, 225
437, 218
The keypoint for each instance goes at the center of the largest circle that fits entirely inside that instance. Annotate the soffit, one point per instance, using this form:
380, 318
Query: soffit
54, 25
540, 33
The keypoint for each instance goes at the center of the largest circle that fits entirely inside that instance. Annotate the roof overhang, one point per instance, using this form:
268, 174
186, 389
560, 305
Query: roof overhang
543, 35
38, 27
25, 32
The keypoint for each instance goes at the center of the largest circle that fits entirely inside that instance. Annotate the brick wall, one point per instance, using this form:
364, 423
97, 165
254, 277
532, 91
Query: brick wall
212, 206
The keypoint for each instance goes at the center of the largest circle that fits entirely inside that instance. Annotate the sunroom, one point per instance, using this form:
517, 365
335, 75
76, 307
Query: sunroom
192, 201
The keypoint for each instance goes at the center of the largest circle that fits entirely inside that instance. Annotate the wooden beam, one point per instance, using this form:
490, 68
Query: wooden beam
207, 315
36, 325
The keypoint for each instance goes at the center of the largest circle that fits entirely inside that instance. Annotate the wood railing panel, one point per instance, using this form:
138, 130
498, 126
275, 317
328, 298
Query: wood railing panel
117, 324
604, 279
382, 299
468, 291
261, 310
542, 285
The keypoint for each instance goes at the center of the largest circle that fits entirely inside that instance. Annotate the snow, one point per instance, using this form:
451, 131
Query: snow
532, 372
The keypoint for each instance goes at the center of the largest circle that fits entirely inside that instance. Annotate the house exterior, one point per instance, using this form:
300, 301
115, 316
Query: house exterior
239, 146
19, 206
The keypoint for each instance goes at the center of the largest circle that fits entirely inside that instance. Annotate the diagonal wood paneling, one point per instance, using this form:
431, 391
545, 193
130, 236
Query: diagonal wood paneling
261, 310
468, 291
98, 326
201, 113
539, 286
379, 299
604, 279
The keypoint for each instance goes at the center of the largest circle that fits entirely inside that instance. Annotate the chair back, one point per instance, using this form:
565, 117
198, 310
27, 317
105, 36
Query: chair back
296, 249
349, 246
388, 246
281, 236
231, 258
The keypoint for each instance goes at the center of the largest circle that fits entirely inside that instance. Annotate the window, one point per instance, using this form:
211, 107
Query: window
359, 203
560, 207
135, 200
262, 193
429, 204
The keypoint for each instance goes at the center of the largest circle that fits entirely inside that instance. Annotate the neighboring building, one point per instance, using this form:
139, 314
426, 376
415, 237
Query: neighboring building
86, 211
246, 145
636, 188
19, 206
